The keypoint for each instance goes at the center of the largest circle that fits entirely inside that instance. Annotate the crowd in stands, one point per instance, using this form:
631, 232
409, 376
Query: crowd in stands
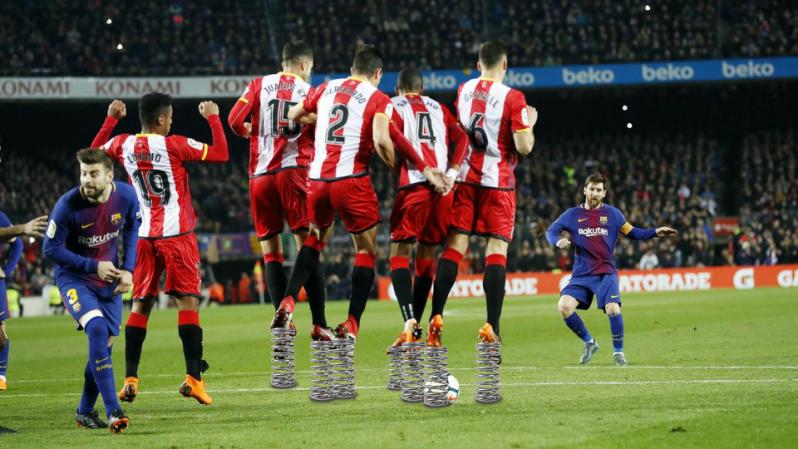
208, 37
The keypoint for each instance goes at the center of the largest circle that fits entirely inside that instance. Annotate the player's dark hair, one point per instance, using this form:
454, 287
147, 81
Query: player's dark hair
293, 51
367, 60
91, 156
152, 106
491, 53
410, 79
596, 178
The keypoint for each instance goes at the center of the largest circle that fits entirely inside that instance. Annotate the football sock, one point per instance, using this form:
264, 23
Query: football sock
191, 334
616, 327
444, 279
575, 324
307, 260
90, 392
135, 333
362, 281
422, 284
4, 358
314, 286
402, 285
100, 363
493, 284
276, 279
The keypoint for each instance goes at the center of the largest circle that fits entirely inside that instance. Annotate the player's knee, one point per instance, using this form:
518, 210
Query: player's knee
565, 306
96, 329
187, 303
613, 309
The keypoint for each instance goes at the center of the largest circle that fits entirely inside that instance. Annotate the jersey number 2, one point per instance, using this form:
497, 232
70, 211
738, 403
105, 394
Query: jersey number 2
335, 133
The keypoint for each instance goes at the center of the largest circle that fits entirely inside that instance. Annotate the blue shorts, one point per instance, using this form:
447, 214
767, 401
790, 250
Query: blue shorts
4, 312
84, 304
604, 286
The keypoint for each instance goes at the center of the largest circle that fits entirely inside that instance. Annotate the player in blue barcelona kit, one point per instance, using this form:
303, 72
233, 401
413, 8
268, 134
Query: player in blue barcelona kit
594, 228
81, 239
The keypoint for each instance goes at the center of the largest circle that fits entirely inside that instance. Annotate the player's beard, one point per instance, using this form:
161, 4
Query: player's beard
593, 202
92, 192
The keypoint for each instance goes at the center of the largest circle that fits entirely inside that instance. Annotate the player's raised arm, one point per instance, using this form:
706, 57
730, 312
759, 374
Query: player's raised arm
636, 233
524, 138
116, 112
217, 151
55, 244
556, 229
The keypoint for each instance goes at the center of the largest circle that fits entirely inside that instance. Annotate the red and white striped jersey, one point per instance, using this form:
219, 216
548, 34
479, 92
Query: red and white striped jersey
154, 164
345, 111
276, 142
491, 112
424, 123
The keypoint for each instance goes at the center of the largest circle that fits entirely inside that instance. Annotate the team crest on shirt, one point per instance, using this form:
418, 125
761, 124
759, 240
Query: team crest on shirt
603, 220
116, 219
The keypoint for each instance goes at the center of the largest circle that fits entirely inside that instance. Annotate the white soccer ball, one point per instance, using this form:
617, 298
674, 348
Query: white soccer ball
453, 391
452, 388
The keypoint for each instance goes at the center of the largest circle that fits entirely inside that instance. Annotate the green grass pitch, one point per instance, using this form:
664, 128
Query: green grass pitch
707, 369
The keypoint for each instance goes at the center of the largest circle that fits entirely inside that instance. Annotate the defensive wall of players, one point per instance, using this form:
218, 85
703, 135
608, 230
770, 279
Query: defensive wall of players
716, 70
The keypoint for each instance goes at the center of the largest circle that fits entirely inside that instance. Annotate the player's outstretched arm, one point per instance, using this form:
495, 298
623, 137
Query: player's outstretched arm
33, 228
117, 110
217, 150
55, 245
16, 248
665, 231
556, 229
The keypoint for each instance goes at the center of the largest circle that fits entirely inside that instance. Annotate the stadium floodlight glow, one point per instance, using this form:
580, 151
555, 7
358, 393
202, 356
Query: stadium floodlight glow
629, 125
108, 21
119, 46
624, 108
647, 8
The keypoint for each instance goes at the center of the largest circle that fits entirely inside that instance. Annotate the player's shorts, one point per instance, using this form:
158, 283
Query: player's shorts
353, 199
180, 257
603, 286
277, 198
84, 303
419, 213
483, 211
4, 312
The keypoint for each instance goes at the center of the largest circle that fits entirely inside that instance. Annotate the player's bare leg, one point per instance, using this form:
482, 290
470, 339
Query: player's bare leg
362, 280
402, 286
191, 335
307, 263
613, 310
135, 334
567, 308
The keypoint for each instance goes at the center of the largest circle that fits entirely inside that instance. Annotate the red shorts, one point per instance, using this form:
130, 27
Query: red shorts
277, 198
353, 199
420, 214
179, 255
484, 211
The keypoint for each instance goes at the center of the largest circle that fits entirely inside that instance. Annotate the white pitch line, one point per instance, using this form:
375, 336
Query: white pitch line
213, 375
511, 384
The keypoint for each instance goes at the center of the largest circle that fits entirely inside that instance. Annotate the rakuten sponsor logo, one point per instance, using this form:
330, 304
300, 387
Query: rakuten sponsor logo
665, 282
750, 70
788, 278
587, 76
670, 72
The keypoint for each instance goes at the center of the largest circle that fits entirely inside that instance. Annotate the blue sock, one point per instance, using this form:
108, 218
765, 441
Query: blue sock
90, 392
576, 325
4, 358
100, 363
616, 327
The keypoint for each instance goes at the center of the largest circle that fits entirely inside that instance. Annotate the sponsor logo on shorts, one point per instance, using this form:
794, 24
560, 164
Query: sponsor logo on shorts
593, 232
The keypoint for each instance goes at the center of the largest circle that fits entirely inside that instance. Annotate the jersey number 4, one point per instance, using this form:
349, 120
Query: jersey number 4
424, 126
153, 184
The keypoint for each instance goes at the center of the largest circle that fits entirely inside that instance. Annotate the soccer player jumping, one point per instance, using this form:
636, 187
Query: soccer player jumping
594, 228
499, 124
82, 239
155, 162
